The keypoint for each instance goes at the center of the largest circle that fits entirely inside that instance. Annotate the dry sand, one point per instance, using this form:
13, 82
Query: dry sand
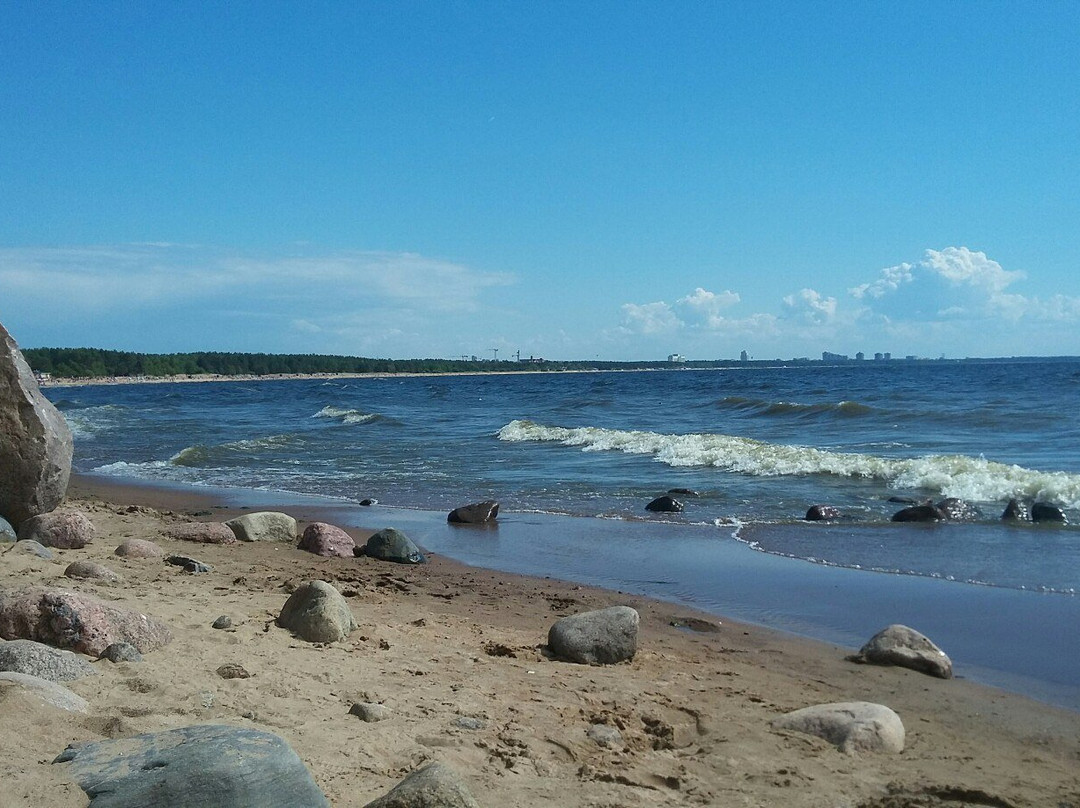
441, 641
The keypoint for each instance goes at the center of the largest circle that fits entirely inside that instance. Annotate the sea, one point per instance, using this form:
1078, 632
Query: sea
573, 458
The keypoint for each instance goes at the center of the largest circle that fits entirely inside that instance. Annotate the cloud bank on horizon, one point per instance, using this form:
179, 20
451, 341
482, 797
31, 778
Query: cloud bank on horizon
169, 297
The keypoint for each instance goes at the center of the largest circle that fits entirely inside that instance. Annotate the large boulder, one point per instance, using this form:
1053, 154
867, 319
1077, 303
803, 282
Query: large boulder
436, 785
478, 513
600, 637
853, 726
201, 532
41, 691
65, 530
79, 622
264, 526
390, 544
317, 612
43, 661
907, 648
35, 442
205, 766
328, 540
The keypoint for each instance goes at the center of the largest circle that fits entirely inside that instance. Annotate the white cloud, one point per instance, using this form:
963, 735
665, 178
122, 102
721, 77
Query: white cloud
704, 307
810, 307
649, 318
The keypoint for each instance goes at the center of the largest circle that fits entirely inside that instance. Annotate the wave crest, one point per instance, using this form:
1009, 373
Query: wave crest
347, 416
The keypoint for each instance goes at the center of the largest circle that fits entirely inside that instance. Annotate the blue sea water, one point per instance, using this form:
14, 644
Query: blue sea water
757, 445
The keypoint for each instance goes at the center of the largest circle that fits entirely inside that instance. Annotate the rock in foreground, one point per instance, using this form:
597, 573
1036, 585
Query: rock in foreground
41, 690
43, 661
264, 526
327, 540
211, 766
317, 612
434, 786
853, 726
35, 442
65, 530
907, 648
601, 637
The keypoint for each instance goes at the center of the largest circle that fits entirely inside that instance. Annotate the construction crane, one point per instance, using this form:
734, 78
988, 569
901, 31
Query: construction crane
495, 352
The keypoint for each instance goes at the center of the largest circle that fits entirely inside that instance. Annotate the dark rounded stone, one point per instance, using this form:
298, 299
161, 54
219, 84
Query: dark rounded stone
1015, 511
683, 492
477, 513
821, 513
958, 510
390, 544
920, 513
222, 622
665, 504
1045, 512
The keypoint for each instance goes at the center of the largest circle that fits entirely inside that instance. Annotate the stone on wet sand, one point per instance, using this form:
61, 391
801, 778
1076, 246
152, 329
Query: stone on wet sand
35, 441
91, 571
64, 530
201, 532
853, 727
600, 637
138, 548
43, 690
79, 622
390, 544
476, 513
317, 612
434, 786
906, 648
43, 661
206, 765
327, 540
264, 526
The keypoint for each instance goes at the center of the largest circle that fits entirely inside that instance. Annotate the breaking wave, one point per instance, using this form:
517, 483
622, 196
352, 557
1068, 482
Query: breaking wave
347, 416
971, 478
200, 455
764, 408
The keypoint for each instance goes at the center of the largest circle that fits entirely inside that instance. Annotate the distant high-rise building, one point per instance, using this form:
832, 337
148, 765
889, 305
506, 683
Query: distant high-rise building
744, 357
860, 356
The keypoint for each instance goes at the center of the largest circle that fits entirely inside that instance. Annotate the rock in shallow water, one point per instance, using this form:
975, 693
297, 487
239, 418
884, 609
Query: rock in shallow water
209, 766
478, 513
390, 544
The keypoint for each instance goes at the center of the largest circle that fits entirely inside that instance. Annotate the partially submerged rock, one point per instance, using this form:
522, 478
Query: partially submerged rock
390, 544
79, 622
65, 530
317, 612
1046, 512
1015, 511
920, 513
907, 648
210, 765
477, 513
665, 504
264, 526
328, 540
822, 513
35, 442
600, 637
43, 661
434, 786
853, 727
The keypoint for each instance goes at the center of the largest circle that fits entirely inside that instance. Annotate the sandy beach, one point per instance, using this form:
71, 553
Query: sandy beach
442, 641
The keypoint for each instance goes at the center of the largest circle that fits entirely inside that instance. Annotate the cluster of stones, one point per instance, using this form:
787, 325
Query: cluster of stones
952, 509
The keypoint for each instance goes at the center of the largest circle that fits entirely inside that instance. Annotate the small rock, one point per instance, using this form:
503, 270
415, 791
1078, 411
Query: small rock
683, 492
7, 532
222, 622
600, 637
233, 671
605, 736
369, 711
189, 564
436, 785
201, 532
90, 571
43, 661
665, 504
920, 513
852, 727
264, 526
907, 648
34, 548
121, 652
1015, 511
822, 513
317, 612
369, 502
478, 513
468, 722
49, 692
1045, 512
138, 548
65, 530
328, 540
390, 544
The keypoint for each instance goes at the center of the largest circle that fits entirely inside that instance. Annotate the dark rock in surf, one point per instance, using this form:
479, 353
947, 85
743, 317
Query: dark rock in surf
390, 544
206, 765
369, 502
478, 513
822, 513
902, 500
920, 513
665, 504
1015, 511
907, 648
35, 442
683, 492
958, 510
1045, 512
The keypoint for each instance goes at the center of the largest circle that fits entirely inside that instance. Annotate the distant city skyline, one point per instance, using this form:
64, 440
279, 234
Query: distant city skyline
575, 181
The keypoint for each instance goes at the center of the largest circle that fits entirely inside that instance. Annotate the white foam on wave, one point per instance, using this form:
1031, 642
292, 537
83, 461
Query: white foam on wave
346, 416
972, 478
87, 422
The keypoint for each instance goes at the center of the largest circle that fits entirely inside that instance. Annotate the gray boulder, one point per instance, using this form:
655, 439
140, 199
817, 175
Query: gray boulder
121, 652
91, 571
264, 526
65, 530
43, 661
317, 612
7, 532
207, 766
906, 648
600, 637
434, 786
370, 712
79, 622
390, 544
43, 690
34, 548
853, 727
201, 532
35, 442
327, 540
478, 513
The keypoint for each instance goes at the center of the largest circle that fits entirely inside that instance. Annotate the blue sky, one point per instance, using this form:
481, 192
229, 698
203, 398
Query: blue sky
570, 180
